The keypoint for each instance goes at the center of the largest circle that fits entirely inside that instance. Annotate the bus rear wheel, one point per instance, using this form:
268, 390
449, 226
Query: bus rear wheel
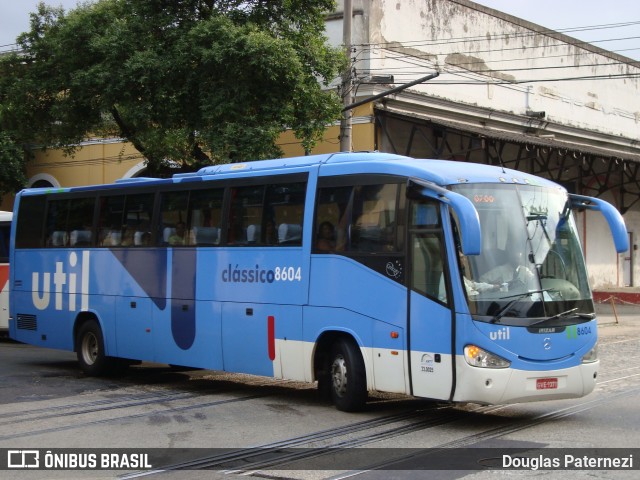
90, 349
347, 377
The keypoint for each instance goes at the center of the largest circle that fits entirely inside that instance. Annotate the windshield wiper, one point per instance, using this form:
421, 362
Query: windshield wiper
586, 316
516, 298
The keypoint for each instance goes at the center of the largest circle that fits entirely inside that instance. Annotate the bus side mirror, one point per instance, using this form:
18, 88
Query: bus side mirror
611, 215
470, 232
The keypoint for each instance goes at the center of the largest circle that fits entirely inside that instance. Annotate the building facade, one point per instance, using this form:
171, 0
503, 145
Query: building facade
511, 93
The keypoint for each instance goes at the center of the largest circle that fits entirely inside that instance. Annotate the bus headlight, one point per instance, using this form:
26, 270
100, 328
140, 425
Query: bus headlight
592, 355
478, 357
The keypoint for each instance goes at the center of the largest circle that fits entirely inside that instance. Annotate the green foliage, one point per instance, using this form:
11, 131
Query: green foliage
192, 81
11, 160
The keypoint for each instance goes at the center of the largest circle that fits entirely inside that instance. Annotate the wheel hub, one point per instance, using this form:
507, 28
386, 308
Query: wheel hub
339, 375
90, 349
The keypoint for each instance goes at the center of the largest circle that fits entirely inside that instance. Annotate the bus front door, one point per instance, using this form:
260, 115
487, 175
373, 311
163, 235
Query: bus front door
430, 318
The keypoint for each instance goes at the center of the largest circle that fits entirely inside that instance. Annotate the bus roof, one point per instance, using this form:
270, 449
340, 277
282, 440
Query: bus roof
440, 172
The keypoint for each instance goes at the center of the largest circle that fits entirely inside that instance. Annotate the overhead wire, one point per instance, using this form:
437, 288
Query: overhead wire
472, 77
578, 43
524, 69
398, 51
460, 69
400, 47
505, 60
497, 36
90, 161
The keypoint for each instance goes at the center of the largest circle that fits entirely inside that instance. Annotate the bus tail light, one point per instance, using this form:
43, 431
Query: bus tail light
592, 355
478, 357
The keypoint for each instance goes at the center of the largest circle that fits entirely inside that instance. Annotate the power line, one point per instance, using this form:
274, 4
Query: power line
427, 62
89, 161
579, 44
519, 59
472, 76
422, 63
525, 69
495, 36
412, 44
538, 80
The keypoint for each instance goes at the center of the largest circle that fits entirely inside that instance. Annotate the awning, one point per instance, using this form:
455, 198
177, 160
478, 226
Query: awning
522, 138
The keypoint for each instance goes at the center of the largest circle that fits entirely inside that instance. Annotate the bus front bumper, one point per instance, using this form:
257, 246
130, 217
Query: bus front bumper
507, 385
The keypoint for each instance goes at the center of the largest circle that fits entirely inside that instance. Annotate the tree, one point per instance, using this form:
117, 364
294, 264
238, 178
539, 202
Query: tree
11, 162
191, 81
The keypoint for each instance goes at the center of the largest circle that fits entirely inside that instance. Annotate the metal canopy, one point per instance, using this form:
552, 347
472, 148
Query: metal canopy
582, 169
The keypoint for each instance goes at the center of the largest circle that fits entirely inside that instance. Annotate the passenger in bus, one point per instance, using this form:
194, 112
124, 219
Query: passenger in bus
326, 237
127, 237
476, 288
178, 237
111, 237
142, 239
472, 287
513, 270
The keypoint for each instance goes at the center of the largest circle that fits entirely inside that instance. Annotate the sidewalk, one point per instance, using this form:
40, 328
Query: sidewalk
616, 318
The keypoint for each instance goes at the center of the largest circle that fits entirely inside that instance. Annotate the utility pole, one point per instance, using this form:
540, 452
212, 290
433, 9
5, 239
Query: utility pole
347, 84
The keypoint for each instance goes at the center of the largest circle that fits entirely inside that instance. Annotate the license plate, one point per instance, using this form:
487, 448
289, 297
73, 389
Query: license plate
546, 383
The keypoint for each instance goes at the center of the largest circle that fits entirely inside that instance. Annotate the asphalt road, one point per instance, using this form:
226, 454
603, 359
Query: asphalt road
277, 429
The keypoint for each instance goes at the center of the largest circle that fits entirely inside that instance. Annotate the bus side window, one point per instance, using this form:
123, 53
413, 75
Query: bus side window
205, 214
374, 218
81, 222
245, 216
284, 214
173, 219
110, 221
332, 219
428, 269
31, 219
427, 250
57, 217
360, 219
136, 225
5, 230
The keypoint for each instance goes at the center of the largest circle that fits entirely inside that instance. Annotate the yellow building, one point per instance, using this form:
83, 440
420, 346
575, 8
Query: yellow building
99, 161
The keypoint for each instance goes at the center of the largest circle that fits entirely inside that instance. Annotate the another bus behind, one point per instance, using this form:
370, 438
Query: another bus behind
5, 233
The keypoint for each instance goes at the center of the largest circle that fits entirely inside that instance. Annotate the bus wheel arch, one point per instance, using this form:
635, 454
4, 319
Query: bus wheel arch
340, 370
89, 346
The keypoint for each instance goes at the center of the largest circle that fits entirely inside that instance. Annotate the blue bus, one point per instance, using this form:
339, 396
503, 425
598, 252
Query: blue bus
361, 271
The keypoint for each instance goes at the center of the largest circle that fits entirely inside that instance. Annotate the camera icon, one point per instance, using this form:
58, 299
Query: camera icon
23, 459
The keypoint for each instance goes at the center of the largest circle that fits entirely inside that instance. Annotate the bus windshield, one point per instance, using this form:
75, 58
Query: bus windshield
531, 268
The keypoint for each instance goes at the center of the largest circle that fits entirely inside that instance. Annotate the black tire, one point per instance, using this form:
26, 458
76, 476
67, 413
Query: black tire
347, 377
324, 384
90, 350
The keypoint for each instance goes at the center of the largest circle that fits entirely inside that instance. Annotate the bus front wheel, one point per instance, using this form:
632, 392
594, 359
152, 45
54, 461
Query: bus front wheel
90, 349
347, 377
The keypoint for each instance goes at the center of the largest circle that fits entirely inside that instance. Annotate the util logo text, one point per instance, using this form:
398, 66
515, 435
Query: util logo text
64, 275
503, 334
